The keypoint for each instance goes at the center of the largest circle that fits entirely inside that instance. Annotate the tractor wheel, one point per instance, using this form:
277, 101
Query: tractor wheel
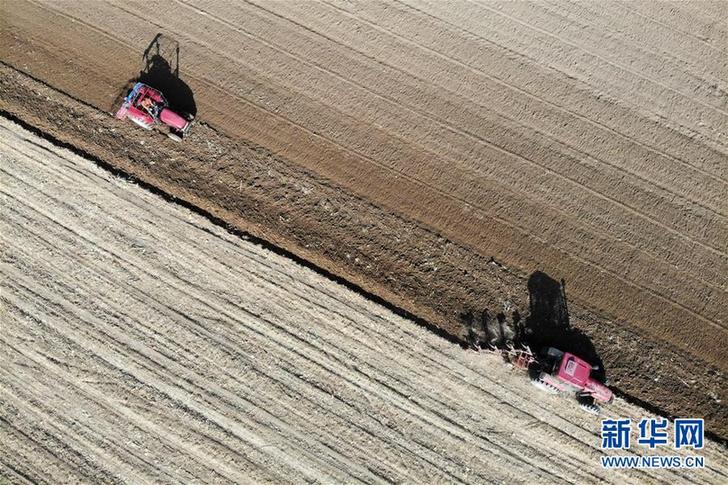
544, 386
140, 123
174, 136
587, 403
590, 408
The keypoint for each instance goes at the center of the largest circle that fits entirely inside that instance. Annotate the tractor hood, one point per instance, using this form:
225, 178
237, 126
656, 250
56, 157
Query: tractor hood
172, 119
599, 391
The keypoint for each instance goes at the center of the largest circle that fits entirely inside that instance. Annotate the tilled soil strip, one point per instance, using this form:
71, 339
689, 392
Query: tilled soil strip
443, 284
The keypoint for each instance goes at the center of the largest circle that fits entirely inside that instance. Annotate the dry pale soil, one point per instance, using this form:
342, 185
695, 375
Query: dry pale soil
141, 343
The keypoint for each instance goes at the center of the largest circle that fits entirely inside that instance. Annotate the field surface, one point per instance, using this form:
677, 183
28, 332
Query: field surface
585, 140
141, 343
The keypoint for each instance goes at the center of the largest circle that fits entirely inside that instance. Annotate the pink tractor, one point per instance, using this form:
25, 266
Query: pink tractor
561, 372
145, 106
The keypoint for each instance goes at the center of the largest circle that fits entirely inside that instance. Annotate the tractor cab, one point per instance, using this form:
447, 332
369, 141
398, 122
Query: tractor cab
142, 106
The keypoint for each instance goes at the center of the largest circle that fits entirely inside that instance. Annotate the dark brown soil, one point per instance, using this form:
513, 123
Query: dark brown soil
443, 283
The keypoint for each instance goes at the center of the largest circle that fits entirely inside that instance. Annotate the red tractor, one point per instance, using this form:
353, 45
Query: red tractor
146, 106
558, 372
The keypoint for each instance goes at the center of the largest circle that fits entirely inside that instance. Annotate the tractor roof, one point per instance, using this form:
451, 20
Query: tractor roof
574, 370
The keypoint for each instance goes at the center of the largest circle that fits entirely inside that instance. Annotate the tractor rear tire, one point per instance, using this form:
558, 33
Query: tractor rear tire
587, 403
544, 386
139, 123
590, 408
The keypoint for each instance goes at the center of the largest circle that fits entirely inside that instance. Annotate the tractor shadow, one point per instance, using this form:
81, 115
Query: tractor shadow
160, 70
547, 324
